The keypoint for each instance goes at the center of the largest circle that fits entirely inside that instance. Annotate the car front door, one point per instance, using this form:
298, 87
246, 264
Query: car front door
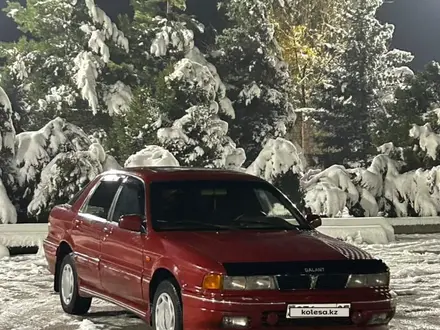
89, 227
122, 258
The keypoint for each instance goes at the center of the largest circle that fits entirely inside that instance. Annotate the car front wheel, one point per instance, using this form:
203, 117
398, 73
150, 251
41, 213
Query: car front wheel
71, 301
167, 308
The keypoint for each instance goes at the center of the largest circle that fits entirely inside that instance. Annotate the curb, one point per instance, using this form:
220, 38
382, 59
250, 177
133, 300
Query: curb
28, 238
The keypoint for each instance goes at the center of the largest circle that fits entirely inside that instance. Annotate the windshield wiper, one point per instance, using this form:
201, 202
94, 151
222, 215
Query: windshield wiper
272, 222
191, 222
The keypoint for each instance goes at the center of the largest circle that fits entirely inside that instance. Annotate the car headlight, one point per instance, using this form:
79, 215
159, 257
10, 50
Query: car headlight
222, 282
249, 283
368, 280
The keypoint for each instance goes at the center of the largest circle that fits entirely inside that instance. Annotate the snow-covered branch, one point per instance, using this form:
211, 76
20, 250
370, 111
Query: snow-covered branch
278, 157
66, 174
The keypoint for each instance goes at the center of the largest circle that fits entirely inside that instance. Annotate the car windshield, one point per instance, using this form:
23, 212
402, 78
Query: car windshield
221, 205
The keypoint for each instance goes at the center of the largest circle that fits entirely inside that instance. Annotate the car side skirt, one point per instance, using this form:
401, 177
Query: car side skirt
86, 292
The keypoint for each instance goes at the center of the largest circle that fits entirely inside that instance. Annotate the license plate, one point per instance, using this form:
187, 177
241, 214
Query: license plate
300, 311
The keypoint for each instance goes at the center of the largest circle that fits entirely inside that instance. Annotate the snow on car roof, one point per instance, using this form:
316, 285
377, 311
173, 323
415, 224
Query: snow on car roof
160, 172
161, 169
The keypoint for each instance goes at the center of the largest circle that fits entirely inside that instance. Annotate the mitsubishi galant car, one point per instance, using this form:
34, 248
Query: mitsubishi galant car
200, 249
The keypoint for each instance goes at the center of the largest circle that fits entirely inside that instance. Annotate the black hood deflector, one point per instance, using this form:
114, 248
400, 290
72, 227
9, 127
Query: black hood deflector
372, 266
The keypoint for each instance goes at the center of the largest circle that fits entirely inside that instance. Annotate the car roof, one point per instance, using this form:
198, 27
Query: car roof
159, 173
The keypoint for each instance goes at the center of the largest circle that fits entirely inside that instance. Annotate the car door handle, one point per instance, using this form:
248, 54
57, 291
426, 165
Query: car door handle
108, 230
78, 222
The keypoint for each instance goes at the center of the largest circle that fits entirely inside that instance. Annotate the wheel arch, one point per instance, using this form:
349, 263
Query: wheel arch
161, 274
63, 250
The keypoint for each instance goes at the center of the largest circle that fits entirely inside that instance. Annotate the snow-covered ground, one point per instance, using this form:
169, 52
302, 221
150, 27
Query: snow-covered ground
27, 301
415, 276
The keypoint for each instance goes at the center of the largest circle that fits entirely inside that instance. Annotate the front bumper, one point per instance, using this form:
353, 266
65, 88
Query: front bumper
207, 312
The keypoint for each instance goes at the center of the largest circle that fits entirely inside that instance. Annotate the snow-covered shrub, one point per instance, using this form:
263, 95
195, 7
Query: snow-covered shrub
152, 156
232, 157
66, 174
280, 163
378, 189
389, 149
330, 191
34, 150
429, 141
277, 158
385, 187
8, 213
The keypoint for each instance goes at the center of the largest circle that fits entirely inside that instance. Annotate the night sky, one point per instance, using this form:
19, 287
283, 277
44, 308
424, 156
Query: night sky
417, 25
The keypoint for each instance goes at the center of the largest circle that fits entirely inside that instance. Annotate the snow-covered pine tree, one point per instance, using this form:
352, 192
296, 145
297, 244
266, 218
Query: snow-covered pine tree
414, 103
137, 128
67, 68
8, 212
306, 34
353, 94
7, 136
65, 175
308, 37
182, 91
258, 81
198, 136
36, 149
160, 34
10, 85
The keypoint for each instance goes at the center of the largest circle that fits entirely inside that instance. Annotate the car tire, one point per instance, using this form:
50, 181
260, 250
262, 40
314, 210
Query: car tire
71, 301
167, 305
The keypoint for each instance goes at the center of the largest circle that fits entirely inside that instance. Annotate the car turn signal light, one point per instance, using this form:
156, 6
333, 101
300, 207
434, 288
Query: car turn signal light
212, 282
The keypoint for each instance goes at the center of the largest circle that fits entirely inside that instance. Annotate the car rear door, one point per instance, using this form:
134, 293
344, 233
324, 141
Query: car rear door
122, 259
89, 227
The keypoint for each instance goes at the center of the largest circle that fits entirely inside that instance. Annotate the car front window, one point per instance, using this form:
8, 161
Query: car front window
221, 205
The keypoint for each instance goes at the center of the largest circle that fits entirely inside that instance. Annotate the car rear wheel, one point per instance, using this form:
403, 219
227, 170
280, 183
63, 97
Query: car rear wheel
167, 308
71, 301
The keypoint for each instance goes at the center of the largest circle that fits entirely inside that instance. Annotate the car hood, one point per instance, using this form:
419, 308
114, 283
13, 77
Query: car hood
265, 246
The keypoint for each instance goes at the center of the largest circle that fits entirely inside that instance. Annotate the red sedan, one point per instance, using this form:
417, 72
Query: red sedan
202, 249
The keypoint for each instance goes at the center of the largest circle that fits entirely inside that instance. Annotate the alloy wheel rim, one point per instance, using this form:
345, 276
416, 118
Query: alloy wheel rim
164, 313
67, 284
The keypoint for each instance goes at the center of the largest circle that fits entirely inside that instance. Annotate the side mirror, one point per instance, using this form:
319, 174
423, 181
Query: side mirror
131, 223
314, 220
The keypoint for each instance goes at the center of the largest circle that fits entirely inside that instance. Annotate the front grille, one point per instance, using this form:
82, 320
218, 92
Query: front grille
331, 281
308, 282
315, 322
294, 282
